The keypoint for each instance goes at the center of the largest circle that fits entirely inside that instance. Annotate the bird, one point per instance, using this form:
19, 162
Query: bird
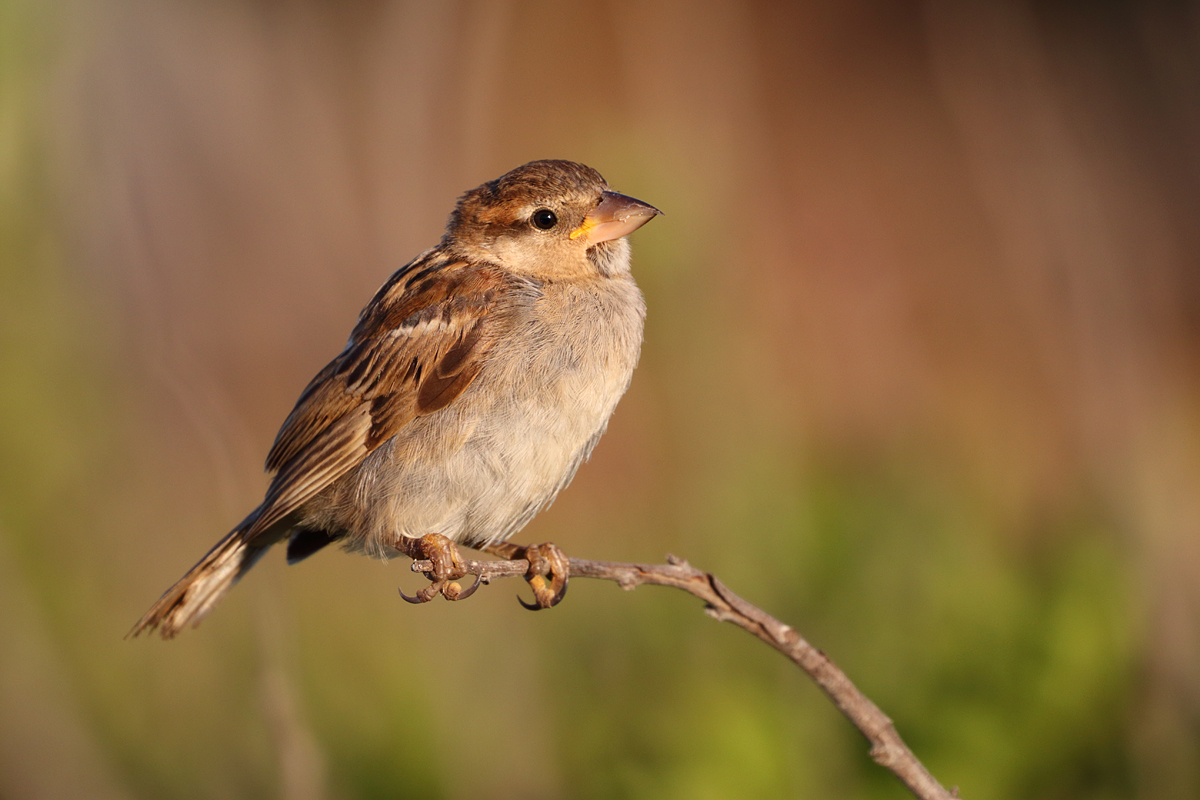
473, 385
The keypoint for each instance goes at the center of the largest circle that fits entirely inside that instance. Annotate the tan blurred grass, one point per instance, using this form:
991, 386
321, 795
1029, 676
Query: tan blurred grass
920, 376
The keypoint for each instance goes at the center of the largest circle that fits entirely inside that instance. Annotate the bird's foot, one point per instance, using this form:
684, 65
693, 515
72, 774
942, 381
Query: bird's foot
447, 568
549, 571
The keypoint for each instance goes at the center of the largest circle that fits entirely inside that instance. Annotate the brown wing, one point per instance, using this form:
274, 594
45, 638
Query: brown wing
417, 346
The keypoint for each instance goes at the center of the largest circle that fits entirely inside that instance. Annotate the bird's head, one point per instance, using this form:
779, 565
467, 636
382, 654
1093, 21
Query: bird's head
548, 219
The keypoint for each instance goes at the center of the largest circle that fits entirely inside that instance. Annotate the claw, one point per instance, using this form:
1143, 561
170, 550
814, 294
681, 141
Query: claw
453, 591
536, 605
414, 600
546, 560
447, 565
560, 594
425, 595
542, 597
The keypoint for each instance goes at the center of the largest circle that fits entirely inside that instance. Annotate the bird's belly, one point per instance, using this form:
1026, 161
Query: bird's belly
479, 470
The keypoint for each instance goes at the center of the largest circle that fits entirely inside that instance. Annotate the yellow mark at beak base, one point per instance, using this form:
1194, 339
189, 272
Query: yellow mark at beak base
616, 215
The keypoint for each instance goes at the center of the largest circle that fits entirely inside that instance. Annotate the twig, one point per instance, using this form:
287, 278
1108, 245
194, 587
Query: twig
887, 748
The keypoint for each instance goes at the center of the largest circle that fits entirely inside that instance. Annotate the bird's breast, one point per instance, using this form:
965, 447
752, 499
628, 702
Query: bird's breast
479, 469
557, 378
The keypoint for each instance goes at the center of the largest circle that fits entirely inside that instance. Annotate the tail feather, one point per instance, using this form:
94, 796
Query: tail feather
195, 594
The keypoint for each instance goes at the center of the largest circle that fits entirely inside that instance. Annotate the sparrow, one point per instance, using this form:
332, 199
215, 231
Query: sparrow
474, 384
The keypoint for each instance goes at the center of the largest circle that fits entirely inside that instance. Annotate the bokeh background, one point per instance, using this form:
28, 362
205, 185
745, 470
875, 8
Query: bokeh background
921, 377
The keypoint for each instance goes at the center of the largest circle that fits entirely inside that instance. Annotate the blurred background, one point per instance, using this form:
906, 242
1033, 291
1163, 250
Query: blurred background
921, 378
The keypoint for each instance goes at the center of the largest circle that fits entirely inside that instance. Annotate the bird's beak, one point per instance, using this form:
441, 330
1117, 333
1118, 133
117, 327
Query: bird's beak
615, 216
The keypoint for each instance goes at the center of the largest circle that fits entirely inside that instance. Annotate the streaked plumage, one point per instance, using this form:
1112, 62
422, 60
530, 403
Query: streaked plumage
474, 384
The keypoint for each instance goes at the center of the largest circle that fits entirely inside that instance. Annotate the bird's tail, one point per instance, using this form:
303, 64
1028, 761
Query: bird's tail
195, 594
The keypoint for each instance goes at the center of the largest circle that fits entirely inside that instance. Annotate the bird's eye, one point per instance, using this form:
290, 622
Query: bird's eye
544, 219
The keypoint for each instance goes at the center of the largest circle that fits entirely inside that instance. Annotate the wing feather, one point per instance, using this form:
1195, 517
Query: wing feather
415, 350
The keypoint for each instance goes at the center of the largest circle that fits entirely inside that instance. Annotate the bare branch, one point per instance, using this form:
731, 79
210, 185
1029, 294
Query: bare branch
887, 748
